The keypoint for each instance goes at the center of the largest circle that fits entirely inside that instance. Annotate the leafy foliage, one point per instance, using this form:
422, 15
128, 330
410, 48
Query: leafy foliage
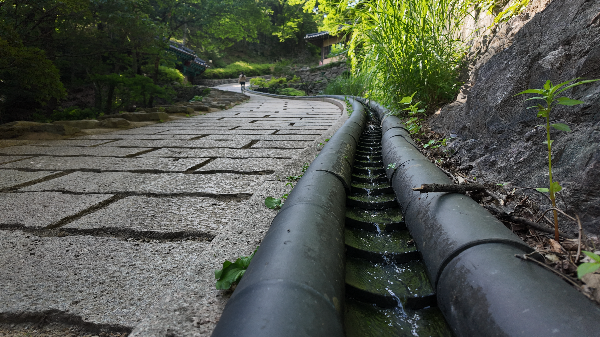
275, 203
233, 70
548, 93
291, 92
232, 272
398, 47
588, 267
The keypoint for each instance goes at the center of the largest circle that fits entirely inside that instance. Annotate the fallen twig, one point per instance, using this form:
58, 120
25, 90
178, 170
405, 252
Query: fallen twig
426, 188
563, 276
579, 240
556, 209
535, 225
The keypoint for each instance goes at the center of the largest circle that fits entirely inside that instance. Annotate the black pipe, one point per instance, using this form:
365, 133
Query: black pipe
482, 288
294, 285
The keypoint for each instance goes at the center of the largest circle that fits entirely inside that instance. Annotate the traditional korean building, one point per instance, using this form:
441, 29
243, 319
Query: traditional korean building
192, 65
324, 40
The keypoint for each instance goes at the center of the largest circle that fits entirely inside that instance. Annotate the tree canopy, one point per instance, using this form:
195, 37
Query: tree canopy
50, 46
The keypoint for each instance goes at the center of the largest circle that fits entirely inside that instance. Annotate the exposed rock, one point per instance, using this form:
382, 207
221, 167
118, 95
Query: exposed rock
315, 79
80, 124
500, 138
19, 128
115, 123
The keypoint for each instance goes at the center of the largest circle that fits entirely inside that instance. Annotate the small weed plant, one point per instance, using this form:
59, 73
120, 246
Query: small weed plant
413, 122
277, 203
588, 267
232, 272
548, 93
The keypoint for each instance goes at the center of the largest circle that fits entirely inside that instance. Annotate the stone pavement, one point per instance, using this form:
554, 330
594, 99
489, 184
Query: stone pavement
123, 231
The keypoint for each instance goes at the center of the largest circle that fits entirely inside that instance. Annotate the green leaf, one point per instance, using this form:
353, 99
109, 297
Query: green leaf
556, 187
592, 256
407, 99
568, 101
546, 142
576, 84
547, 85
230, 276
542, 189
219, 272
561, 127
273, 203
531, 91
586, 268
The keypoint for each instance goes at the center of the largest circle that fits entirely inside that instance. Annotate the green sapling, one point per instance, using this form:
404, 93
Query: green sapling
549, 94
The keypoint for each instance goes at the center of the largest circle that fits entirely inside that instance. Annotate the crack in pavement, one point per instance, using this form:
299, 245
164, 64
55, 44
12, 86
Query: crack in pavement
126, 234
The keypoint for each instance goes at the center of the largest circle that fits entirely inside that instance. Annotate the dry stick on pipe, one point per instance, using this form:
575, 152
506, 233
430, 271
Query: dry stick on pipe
579, 240
426, 188
534, 225
527, 257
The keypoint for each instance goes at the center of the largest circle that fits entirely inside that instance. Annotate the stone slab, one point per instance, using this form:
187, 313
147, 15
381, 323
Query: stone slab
10, 178
72, 142
102, 280
228, 153
179, 143
166, 214
105, 151
261, 137
8, 159
112, 137
244, 165
298, 132
41, 209
269, 144
106, 164
179, 309
165, 183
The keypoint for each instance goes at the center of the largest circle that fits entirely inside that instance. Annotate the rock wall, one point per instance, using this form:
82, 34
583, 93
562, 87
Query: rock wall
498, 139
316, 79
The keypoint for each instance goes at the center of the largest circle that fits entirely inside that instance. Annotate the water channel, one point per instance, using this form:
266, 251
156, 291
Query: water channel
387, 290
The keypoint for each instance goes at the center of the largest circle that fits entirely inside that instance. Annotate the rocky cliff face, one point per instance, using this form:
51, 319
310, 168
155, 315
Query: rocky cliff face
498, 139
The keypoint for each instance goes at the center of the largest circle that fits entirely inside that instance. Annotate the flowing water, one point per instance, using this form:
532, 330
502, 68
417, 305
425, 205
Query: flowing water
388, 292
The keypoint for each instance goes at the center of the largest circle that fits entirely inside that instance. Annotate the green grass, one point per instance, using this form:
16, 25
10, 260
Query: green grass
346, 84
233, 70
405, 46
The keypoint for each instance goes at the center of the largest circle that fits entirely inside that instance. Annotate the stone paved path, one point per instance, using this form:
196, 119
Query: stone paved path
125, 229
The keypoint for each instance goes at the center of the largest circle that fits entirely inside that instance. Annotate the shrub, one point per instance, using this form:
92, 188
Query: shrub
165, 74
291, 92
259, 82
346, 84
233, 70
67, 114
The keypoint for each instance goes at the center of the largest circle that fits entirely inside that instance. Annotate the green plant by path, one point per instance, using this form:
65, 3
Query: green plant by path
410, 109
276, 203
291, 92
548, 93
588, 267
232, 272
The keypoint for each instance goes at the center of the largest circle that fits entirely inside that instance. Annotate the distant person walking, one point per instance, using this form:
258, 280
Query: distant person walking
242, 81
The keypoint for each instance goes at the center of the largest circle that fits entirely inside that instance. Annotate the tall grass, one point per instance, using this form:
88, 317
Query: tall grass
399, 47
346, 84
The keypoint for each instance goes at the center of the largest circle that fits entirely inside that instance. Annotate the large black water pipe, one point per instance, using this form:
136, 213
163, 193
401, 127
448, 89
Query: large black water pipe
482, 288
294, 285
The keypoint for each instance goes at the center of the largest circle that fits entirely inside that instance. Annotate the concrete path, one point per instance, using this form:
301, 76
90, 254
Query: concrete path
124, 230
